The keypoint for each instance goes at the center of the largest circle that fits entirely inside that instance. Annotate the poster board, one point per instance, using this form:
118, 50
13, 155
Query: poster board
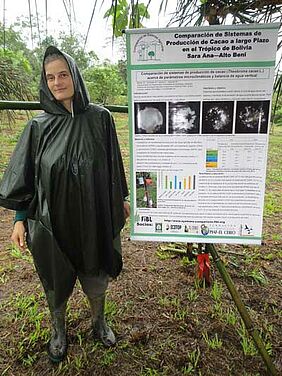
199, 111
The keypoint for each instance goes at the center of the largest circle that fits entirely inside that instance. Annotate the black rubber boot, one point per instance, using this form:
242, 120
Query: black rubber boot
101, 330
57, 347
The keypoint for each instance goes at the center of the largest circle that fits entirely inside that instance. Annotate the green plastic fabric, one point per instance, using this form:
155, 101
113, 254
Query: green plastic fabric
67, 172
20, 215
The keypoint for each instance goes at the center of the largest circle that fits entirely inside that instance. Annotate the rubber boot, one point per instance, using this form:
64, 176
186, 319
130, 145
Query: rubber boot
57, 347
100, 329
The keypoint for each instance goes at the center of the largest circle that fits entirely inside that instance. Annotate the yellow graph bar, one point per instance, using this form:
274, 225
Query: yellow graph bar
211, 164
184, 183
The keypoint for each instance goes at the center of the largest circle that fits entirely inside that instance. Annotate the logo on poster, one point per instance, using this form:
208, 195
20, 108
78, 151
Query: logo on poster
158, 227
247, 230
204, 229
149, 47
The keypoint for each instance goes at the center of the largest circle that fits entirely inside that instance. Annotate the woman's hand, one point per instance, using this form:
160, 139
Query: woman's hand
18, 235
126, 209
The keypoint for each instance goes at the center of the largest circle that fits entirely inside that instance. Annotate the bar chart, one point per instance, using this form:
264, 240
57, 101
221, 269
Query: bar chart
177, 182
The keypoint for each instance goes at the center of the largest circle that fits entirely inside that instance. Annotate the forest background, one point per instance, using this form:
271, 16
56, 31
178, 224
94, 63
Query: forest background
22, 43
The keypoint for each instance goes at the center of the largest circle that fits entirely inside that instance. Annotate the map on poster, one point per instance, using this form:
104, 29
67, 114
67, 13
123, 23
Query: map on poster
199, 111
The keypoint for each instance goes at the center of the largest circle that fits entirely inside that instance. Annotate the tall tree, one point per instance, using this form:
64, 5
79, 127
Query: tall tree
105, 84
127, 14
14, 79
15, 67
72, 44
216, 11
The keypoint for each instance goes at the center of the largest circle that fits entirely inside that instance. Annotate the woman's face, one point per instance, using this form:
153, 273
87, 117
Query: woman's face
59, 81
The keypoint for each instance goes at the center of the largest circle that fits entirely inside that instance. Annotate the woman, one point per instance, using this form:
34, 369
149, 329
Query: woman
66, 181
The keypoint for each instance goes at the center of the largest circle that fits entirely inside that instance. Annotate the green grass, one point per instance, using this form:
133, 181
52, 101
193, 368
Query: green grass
29, 317
214, 342
273, 197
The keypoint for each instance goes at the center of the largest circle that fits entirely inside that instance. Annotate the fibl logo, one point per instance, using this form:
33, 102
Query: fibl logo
145, 218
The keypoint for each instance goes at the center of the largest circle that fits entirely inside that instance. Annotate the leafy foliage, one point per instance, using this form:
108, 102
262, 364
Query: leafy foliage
216, 11
71, 44
127, 15
104, 83
14, 79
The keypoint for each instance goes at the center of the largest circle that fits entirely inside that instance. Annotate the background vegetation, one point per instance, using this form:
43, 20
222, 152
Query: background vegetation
20, 68
107, 81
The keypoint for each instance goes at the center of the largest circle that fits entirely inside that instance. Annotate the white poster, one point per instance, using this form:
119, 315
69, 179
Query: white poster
199, 110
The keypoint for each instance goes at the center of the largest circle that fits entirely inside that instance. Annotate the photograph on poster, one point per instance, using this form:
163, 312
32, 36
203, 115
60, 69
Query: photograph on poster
217, 117
150, 117
146, 189
184, 117
252, 116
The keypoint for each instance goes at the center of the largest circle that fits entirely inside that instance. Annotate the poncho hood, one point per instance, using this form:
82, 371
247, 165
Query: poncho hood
81, 96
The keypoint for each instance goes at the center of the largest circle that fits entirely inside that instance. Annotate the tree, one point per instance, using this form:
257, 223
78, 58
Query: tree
126, 14
15, 67
216, 11
105, 84
72, 45
12, 40
122, 68
14, 79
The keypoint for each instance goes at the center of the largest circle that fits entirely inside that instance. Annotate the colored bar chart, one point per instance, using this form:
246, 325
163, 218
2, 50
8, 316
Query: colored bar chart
176, 182
211, 158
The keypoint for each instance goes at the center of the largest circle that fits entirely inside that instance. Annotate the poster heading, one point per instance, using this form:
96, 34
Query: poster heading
179, 45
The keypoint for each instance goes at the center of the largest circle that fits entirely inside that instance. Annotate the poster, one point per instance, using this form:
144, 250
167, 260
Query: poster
199, 111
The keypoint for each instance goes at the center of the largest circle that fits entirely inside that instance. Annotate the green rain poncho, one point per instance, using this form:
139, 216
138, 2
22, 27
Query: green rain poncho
67, 172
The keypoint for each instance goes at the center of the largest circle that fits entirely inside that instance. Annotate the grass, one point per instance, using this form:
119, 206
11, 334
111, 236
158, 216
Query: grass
193, 359
29, 317
213, 342
9, 135
273, 199
258, 276
21, 254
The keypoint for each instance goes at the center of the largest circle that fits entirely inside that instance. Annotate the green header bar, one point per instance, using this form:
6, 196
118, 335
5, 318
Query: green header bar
231, 64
